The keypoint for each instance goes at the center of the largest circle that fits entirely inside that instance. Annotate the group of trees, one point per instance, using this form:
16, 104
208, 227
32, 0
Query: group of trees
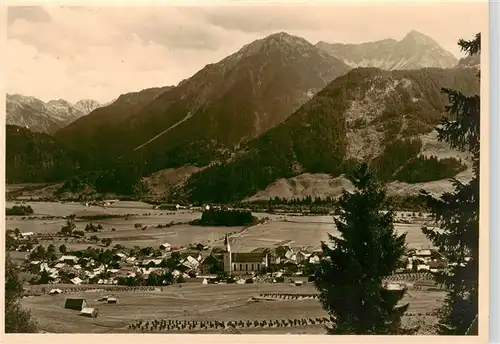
69, 227
40, 253
18, 210
425, 169
350, 276
457, 212
225, 217
90, 227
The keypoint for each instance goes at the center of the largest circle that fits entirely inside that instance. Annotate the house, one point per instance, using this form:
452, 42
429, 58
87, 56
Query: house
394, 286
120, 256
112, 299
55, 291
69, 259
76, 280
302, 257
423, 267
290, 255
190, 263
60, 265
210, 264
423, 254
152, 262
89, 312
437, 264
315, 257
75, 304
44, 267
27, 234
131, 260
282, 250
165, 246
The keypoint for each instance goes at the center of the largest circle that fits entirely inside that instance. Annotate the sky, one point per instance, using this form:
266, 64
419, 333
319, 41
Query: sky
99, 53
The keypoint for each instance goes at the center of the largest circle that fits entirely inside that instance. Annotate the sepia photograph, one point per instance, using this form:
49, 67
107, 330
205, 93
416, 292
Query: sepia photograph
252, 168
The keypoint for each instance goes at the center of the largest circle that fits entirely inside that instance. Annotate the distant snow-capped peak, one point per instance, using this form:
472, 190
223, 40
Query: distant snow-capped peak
33, 113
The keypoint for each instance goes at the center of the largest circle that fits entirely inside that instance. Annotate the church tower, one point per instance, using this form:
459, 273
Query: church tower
227, 257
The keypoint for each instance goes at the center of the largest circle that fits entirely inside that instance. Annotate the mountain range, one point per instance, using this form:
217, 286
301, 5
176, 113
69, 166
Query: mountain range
221, 106
384, 117
416, 50
275, 118
38, 116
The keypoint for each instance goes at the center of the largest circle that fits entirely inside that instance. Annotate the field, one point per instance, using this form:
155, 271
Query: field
309, 231
196, 302
301, 231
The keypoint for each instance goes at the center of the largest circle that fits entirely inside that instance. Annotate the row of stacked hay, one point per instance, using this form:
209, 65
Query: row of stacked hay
189, 325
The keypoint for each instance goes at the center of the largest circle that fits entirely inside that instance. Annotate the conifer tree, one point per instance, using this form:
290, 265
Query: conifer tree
457, 213
17, 319
350, 277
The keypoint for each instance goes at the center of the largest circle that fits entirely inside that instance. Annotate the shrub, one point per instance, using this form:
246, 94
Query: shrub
18, 210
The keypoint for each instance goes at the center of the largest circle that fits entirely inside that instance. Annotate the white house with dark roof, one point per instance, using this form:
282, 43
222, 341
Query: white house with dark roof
165, 246
69, 259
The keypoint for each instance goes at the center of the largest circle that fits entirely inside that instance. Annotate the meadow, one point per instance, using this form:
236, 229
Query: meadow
300, 231
196, 302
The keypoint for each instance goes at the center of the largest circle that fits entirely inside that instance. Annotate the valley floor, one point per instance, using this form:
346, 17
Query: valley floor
201, 303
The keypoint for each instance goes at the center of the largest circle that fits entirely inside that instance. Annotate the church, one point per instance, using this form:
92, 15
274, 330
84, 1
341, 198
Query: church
242, 263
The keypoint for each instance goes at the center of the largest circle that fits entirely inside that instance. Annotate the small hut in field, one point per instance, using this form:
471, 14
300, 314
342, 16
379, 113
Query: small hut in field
89, 312
112, 299
75, 304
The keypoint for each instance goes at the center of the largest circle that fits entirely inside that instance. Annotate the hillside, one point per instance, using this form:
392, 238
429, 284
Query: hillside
472, 61
36, 157
414, 51
38, 116
385, 117
97, 135
221, 106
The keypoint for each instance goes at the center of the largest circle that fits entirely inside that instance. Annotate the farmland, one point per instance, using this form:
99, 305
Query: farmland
138, 224
197, 302
300, 230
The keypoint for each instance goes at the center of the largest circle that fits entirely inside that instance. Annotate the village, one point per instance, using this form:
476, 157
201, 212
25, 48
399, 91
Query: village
196, 263
93, 262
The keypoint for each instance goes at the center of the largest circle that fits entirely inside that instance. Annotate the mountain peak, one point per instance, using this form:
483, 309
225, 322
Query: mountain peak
279, 41
40, 116
417, 37
416, 50
286, 38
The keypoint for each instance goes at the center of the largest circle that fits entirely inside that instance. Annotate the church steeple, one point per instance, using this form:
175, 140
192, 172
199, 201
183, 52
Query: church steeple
226, 243
227, 257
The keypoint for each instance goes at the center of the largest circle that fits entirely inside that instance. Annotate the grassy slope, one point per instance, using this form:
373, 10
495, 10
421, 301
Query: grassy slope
314, 138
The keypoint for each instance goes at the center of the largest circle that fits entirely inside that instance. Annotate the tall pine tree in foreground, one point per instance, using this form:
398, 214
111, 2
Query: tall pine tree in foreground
17, 319
350, 277
457, 213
